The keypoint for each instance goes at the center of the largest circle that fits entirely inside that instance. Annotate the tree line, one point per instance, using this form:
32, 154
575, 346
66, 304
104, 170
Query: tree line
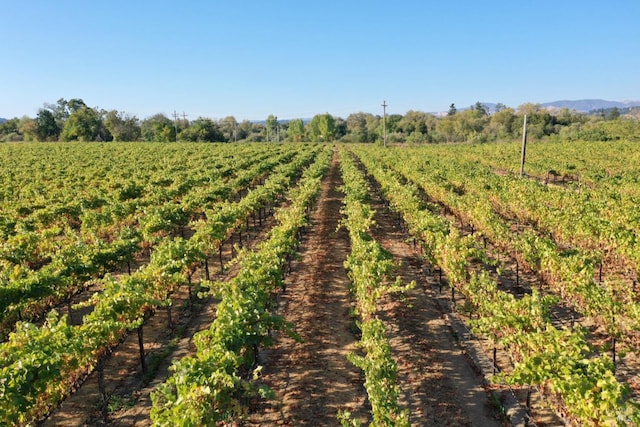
74, 120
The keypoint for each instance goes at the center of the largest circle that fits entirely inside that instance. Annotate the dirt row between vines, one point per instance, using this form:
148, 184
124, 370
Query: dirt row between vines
313, 380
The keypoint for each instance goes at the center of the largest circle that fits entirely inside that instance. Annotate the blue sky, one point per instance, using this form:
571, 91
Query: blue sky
295, 59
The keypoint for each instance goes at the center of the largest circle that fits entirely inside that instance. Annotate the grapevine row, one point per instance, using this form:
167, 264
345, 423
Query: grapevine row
73, 258
557, 360
570, 273
213, 385
40, 363
369, 265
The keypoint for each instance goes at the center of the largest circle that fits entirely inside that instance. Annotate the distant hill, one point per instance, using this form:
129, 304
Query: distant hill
2, 120
587, 105
580, 105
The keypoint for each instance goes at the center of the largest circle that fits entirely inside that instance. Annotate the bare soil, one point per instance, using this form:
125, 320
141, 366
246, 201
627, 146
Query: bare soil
313, 380
440, 384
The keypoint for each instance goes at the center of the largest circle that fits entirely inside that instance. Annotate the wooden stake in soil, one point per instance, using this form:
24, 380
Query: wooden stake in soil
524, 146
143, 361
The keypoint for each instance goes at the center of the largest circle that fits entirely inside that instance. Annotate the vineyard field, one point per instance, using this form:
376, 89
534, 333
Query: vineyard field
296, 284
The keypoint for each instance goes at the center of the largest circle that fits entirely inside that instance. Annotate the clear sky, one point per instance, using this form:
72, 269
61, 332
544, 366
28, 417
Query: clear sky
299, 58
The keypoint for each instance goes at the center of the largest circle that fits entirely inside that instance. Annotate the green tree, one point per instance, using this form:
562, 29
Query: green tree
480, 108
322, 127
392, 122
229, 128
202, 130
9, 130
500, 106
46, 127
540, 122
502, 125
122, 126
417, 126
452, 110
340, 128
84, 124
158, 128
28, 128
613, 114
296, 130
357, 130
243, 130
417, 122
272, 128
63, 109
447, 128
469, 124
374, 127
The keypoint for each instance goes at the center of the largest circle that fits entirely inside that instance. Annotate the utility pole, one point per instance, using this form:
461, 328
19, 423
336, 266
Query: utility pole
524, 145
384, 122
175, 123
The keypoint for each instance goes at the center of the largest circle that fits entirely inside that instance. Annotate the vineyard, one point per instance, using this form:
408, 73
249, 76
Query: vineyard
309, 284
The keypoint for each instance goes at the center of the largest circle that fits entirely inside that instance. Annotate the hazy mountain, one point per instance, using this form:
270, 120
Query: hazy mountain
581, 105
586, 105
2, 120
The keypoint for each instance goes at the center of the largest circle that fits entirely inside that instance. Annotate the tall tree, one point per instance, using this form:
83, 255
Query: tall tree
322, 127
9, 130
202, 130
480, 108
84, 124
296, 130
28, 128
613, 114
452, 110
500, 107
229, 128
46, 127
62, 109
447, 128
357, 127
416, 126
502, 125
340, 127
272, 128
244, 130
122, 126
158, 128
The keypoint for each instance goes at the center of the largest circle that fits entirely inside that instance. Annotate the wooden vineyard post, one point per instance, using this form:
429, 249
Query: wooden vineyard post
143, 361
524, 146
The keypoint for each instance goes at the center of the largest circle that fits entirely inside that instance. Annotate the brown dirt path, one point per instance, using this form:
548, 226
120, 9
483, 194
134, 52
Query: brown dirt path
313, 380
438, 383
